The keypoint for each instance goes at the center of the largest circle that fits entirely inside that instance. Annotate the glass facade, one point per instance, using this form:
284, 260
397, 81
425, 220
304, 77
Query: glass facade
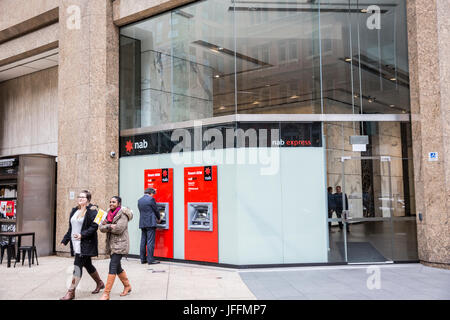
215, 58
241, 79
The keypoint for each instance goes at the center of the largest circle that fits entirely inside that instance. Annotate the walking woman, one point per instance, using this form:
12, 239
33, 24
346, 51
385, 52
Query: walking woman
82, 235
117, 243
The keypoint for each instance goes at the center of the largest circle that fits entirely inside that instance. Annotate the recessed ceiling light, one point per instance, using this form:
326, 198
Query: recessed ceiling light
348, 59
294, 97
216, 76
392, 105
256, 102
393, 79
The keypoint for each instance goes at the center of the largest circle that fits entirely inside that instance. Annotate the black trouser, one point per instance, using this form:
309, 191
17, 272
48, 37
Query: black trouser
330, 215
339, 215
115, 266
148, 239
80, 262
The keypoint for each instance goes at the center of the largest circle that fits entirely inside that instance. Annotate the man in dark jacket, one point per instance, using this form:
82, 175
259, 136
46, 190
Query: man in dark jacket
339, 208
331, 206
149, 217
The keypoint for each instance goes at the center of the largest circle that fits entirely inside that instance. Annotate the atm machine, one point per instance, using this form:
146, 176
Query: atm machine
162, 181
163, 208
200, 216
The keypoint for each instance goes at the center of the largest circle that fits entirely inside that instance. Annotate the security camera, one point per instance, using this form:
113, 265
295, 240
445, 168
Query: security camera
112, 154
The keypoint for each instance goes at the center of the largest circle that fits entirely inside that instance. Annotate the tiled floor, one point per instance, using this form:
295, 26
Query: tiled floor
408, 281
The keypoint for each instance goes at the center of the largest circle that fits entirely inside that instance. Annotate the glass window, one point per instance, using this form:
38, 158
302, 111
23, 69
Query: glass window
214, 58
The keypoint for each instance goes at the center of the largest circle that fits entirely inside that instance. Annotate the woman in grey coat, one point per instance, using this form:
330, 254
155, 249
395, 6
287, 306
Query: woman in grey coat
117, 243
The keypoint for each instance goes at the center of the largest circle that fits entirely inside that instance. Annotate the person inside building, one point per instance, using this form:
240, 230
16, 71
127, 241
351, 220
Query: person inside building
149, 217
339, 208
82, 235
331, 206
117, 244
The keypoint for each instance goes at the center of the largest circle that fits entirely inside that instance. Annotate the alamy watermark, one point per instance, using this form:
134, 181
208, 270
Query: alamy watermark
236, 146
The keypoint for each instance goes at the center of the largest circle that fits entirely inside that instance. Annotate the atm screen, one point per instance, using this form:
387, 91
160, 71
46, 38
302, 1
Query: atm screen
163, 209
200, 216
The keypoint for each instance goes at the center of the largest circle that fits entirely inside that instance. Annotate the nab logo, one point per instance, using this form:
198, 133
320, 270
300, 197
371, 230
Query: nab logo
129, 146
165, 175
207, 172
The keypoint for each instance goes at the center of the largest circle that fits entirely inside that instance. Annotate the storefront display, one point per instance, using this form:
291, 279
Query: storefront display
251, 100
8, 194
23, 179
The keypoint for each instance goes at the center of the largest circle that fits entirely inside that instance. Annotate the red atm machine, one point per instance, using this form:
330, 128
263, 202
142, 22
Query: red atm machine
201, 238
162, 181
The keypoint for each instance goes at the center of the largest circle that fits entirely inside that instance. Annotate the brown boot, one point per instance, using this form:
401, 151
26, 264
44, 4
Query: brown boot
108, 287
70, 295
98, 281
126, 284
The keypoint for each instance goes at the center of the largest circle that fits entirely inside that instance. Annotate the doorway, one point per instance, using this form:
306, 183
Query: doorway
367, 219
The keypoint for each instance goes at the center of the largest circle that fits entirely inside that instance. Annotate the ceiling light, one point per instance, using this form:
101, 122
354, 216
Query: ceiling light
364, 10
294, 97
222, 107
348, 59
393, 79
216, 76
392, 105
256, 102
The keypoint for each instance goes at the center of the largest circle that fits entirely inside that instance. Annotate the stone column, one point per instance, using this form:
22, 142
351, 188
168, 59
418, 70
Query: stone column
88, 107
429, 45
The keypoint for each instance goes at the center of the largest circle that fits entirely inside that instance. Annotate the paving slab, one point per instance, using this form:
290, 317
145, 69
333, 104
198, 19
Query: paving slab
165, 281
396, 282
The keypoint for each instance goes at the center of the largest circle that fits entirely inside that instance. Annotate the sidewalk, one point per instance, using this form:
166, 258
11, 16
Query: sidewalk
362, 282
174, 281
163, 281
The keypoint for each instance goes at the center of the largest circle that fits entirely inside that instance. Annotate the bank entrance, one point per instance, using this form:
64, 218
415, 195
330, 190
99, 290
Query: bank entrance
369, 217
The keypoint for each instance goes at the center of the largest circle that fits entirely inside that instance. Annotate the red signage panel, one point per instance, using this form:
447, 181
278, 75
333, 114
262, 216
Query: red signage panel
201, 238
162, 181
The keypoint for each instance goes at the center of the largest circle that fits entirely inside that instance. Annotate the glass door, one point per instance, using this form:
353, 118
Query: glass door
364, 204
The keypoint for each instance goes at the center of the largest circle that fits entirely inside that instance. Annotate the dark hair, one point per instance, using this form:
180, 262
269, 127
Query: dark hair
330, 188
88, 195
119, 199
150, 191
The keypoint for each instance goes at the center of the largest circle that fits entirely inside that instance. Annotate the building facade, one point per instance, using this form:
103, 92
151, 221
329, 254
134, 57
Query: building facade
242, 115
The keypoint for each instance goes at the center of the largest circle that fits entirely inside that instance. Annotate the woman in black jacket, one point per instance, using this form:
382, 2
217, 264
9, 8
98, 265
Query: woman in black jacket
82, 235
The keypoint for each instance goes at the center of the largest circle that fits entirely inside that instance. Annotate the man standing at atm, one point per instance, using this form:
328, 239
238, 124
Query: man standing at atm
149, 217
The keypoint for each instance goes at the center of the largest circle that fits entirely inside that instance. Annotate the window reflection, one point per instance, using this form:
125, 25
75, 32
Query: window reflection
214, 58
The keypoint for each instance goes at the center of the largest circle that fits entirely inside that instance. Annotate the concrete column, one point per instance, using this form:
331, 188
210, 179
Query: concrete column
88, 107
429, 44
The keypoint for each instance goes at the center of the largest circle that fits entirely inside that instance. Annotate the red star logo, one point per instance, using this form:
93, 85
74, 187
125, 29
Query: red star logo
164, 173
207, 171
129, 146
